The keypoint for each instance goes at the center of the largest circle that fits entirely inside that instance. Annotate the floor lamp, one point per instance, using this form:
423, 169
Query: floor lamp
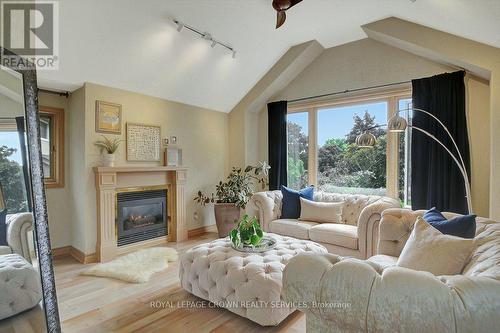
398, 124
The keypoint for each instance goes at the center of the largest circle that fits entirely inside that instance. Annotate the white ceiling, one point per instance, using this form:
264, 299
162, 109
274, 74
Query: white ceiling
133, 45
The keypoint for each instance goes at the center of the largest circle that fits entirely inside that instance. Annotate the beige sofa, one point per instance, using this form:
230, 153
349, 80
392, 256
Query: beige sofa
356, 236
375, 295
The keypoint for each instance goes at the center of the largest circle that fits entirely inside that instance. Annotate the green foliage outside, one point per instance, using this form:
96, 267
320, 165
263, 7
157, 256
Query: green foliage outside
342, 165
12, 182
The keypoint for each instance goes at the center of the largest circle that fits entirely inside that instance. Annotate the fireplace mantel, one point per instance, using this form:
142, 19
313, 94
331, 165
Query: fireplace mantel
110, 179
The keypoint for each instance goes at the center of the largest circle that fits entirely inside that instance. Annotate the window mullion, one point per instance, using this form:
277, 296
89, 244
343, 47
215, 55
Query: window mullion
313, 147
392, 153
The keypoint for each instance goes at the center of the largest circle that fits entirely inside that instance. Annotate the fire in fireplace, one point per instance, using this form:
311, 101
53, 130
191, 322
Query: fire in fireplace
141, 215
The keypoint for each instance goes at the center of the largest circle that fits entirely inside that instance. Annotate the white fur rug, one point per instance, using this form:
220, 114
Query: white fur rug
136, 267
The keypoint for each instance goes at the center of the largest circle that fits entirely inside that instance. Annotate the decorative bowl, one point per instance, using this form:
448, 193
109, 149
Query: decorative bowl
267, 243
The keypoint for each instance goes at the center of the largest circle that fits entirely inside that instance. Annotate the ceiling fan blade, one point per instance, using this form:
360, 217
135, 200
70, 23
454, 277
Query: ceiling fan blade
293, 3
281, 18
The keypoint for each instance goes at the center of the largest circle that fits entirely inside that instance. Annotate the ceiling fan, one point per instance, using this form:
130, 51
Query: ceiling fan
281, 6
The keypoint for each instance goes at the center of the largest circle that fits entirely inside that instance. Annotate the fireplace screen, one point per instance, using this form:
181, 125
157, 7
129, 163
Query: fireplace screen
141, 215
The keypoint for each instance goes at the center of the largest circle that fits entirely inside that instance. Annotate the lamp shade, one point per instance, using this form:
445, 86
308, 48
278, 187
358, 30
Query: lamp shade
397, 124
366, 140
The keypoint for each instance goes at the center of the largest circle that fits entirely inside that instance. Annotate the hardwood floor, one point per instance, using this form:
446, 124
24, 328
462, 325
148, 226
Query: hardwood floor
92, 304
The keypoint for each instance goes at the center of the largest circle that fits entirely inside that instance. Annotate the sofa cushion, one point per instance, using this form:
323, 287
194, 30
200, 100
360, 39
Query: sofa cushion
292, 228
382, 261
460, 226
324, 212
427, 249
290, 205
353, 204
336, 234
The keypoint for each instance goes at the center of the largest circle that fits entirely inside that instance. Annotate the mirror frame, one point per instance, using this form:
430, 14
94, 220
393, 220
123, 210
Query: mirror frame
39, 209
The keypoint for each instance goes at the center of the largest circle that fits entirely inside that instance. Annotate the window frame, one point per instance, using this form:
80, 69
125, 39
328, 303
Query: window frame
56, 134
390, 96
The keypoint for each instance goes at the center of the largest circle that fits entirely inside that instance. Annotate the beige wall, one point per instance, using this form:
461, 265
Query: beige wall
366, 63
202, 134
59, 211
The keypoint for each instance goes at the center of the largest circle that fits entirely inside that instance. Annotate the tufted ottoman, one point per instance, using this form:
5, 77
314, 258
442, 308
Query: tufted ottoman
248, 284
20, 287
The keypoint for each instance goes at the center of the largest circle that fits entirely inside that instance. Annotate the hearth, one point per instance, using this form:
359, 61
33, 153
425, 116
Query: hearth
141, 215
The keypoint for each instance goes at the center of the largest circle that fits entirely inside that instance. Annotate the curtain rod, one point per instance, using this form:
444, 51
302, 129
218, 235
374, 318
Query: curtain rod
365, 88
348, 91
54, 92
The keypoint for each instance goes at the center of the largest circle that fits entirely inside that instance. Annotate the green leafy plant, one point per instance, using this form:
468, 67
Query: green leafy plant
238, 187
247, 231
107, 144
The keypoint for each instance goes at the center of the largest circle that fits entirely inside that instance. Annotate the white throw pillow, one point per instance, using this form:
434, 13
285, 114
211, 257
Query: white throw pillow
427, 249
324, 212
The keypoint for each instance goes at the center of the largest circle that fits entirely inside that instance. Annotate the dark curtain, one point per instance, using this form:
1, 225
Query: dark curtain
435, 178
24, 156
276, 112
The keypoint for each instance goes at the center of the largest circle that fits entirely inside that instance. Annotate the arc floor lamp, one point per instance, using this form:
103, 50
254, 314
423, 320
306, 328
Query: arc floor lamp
398, 124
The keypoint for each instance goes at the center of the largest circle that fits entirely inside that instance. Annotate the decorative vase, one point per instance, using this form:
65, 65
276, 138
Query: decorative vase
225, 215
108, 160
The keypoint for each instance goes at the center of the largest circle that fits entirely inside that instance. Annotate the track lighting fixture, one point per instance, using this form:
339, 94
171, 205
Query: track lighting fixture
204, 35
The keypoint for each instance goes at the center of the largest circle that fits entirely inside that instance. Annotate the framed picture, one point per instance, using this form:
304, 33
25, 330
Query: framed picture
173, 156
143, 142
108, 117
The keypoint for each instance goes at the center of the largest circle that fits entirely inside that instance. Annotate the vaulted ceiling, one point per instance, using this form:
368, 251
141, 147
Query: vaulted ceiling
134, 45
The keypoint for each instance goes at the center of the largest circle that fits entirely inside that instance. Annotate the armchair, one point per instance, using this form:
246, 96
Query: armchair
18, 226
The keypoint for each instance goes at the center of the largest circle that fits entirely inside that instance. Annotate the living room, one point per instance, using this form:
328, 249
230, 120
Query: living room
283, 166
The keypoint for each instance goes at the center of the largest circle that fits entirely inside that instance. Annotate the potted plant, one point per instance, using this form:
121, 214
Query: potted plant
108, 148
247, 232
232, 196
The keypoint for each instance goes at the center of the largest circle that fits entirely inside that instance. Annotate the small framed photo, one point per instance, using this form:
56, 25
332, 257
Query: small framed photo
108, 117
173, 157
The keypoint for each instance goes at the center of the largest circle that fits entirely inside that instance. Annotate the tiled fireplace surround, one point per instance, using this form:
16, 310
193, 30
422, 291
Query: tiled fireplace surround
110, 180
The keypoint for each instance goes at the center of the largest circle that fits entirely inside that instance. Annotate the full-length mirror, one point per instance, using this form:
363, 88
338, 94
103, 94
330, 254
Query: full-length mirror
22, 262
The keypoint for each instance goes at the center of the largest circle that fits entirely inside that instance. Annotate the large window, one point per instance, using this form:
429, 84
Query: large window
322, 149
298, 149
343, 167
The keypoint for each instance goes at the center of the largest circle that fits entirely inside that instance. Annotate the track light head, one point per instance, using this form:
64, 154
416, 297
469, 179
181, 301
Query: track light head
234, 54
213, 43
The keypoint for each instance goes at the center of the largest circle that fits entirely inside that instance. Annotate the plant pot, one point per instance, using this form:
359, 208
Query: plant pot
225, 215
108, 160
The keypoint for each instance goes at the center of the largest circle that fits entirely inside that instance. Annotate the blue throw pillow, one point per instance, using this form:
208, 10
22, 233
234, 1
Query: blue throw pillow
3, 227
290, 206
460, 226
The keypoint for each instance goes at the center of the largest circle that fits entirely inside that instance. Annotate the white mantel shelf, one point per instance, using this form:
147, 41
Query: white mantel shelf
138, 169
109, 180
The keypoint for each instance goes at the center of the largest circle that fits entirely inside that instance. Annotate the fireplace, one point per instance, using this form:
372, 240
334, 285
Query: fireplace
141, 215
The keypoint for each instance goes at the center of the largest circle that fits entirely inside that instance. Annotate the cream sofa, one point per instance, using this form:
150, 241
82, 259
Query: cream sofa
356, 236
375, 295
